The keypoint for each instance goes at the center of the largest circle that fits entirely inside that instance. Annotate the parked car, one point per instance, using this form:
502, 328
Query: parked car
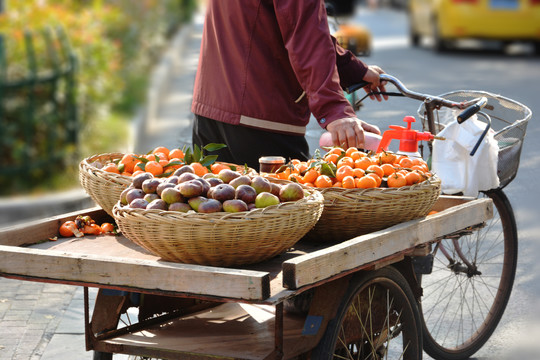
449, 20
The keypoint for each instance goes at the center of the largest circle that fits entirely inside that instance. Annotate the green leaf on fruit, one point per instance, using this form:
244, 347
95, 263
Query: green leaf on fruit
165, 174
208, 160
188, 156
197, 153
173, 163
329, 170
214, 147
142, 159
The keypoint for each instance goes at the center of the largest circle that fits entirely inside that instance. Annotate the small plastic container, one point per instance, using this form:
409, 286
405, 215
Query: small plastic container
371, 140
269, 164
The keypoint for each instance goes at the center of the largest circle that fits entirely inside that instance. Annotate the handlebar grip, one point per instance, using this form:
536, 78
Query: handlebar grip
468, 112
354, 87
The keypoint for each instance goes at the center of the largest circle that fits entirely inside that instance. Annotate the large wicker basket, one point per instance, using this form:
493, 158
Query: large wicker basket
352, 212
105, 187
220, 239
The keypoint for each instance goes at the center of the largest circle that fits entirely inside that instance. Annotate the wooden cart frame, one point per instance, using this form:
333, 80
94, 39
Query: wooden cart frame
202, 305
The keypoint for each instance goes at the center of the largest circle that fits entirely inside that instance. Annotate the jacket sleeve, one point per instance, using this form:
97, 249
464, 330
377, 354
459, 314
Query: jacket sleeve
317, 60
351, 69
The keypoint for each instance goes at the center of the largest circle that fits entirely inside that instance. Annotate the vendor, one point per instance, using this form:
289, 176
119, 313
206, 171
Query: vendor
264, 67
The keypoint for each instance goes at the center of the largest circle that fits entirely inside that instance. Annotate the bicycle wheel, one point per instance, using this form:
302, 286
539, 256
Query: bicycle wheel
463, 303
377, 319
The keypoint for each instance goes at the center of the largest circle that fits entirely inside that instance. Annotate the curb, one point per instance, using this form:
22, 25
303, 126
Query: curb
26, 208
160, 79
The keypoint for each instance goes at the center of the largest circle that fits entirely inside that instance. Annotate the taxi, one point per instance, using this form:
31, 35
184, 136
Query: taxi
449, 20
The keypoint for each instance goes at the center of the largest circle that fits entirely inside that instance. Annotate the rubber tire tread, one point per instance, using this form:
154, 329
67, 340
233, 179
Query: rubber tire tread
322, 350
431, 347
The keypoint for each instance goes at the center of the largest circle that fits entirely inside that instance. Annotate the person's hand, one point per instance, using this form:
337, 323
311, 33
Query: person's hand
348, 132
373, 77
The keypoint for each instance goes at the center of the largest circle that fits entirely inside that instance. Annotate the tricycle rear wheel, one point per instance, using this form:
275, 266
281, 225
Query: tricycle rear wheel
377, 319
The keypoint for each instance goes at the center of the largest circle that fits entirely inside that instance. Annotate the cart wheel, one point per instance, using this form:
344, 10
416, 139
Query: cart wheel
462, 305
377, 319
98, 355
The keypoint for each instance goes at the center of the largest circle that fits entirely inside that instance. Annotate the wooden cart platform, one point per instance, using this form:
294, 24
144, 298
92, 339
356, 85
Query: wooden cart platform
250, 315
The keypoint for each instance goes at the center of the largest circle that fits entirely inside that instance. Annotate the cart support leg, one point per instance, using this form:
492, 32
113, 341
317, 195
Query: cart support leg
106, 315
86, 319
279, 331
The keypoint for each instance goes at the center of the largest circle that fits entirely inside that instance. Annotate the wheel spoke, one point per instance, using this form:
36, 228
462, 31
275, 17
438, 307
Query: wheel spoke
377, 323
463, 301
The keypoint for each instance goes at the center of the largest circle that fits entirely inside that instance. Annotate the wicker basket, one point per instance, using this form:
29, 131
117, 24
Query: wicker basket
220, 239
353, 212
105, 187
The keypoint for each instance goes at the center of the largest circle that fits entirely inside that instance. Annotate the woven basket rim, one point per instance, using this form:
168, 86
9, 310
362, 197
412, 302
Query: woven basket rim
314, 197
87, 163
433, 181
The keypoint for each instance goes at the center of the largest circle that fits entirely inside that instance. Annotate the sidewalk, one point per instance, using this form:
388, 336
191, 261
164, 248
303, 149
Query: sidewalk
46, 321
41, 321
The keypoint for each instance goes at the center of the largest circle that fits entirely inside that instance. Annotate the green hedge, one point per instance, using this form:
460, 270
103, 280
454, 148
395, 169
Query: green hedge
116, 42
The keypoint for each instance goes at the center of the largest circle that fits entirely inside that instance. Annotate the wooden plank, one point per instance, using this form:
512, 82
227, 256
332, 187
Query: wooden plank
40, 230
115, 272
232, 330
319, 265
447, 201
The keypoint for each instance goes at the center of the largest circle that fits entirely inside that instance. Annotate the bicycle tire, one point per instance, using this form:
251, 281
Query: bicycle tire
469, 321
360, 303
99, 355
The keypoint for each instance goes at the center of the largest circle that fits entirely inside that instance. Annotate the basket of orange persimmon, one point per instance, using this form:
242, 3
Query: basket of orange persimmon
222, 219
105, 176
364, 192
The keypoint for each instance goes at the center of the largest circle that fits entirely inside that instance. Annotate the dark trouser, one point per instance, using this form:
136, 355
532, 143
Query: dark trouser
246, 145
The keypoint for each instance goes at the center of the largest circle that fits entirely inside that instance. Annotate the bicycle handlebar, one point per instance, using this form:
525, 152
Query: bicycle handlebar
470, 107
473, 109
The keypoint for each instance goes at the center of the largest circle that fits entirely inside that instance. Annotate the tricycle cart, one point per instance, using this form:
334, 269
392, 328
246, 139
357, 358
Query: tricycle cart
354, 299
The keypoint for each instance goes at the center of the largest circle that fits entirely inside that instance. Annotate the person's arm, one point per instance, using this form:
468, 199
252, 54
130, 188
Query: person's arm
314, 58
312, 54
353, 71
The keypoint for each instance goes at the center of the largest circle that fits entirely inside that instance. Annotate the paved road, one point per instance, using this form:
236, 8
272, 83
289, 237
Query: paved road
514, 74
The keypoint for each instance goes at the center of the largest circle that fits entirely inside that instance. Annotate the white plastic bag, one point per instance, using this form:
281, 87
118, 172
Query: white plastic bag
451, 162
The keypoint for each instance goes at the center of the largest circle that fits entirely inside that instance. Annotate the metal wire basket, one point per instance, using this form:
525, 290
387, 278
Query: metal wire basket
509, 120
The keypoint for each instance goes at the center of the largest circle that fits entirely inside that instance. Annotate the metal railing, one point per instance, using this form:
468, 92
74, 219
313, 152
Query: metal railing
38, 112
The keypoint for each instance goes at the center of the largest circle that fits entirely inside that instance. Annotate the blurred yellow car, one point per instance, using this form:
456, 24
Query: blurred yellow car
353, 37
449, 20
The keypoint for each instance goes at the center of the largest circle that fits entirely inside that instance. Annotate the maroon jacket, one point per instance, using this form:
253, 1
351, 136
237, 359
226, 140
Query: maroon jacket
257, 59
